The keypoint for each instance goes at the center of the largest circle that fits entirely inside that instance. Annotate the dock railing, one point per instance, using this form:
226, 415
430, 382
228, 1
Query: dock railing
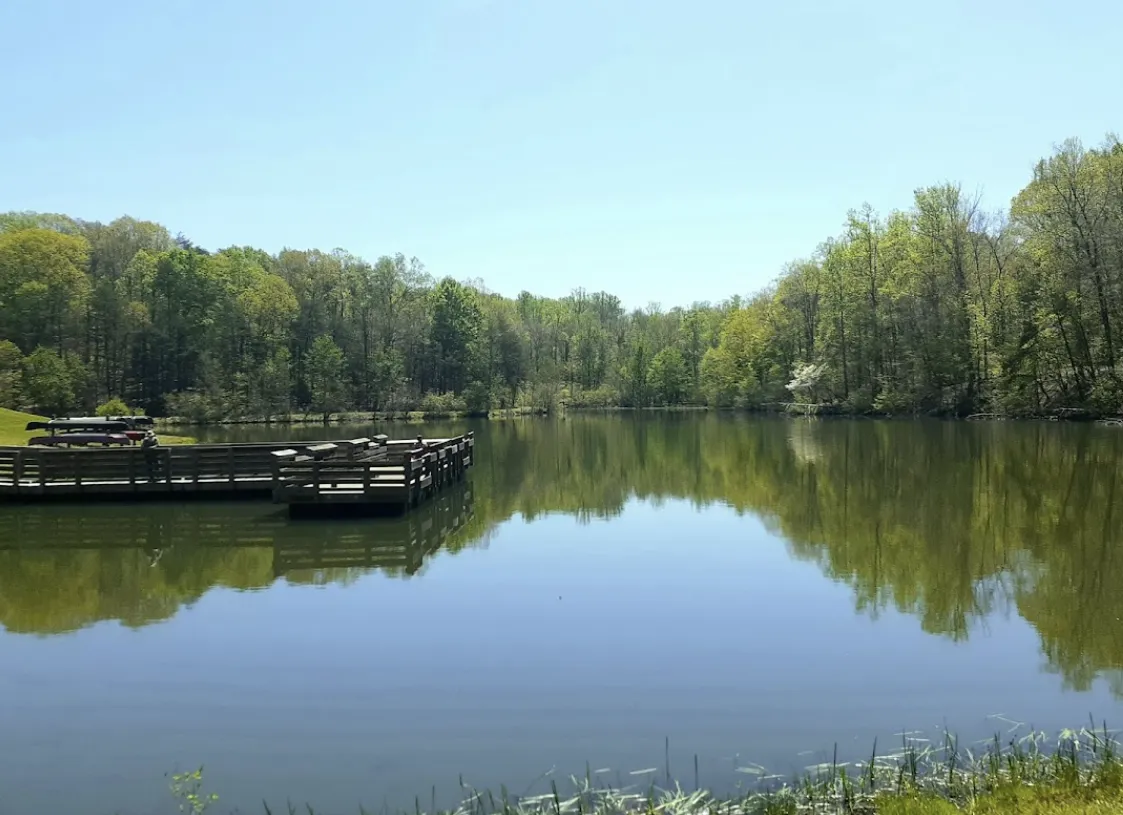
376, 468
378, 471
32, 470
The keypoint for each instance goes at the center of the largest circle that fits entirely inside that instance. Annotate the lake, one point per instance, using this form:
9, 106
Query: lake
744, 590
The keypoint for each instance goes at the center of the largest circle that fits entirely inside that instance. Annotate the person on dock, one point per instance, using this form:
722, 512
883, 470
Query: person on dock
150, 446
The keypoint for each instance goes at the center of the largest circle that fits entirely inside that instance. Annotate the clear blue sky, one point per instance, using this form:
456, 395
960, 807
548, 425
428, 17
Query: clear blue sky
664, 151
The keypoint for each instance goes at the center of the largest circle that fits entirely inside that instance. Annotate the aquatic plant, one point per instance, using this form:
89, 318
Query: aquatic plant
1077, 771
187, 788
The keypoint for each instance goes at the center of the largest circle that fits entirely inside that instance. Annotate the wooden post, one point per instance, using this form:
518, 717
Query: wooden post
276, 463
414, 480
17, 470
233, 475
275, 466
415, 499
76, 465
407, 474
132, 469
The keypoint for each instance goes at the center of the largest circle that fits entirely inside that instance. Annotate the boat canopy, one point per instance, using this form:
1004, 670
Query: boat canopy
94, 425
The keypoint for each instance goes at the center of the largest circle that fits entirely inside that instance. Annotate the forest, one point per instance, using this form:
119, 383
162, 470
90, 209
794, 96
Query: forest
941, 308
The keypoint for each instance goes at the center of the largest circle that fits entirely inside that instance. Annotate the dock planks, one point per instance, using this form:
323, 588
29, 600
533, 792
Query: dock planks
374, 472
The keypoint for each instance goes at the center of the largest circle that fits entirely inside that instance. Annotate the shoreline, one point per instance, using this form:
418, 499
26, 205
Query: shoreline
351, 417
1079, 772
791, 410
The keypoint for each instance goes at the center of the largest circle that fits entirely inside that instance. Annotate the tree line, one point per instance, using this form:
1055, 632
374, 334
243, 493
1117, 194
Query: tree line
942, 308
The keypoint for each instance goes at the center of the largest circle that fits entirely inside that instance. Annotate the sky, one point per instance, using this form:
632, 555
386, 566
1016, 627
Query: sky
666, 152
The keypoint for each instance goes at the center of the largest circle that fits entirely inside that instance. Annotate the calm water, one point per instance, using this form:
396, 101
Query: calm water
748, 589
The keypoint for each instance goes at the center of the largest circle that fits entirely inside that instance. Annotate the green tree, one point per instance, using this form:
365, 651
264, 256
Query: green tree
273, 394
43, 285
668, 376
116, 407
48, 382
454, 330
324, 368
11, 374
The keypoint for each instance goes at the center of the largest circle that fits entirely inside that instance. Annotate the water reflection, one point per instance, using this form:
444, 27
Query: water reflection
952, 523
64, 567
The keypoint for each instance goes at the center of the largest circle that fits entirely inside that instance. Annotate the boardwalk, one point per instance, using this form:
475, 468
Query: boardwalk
390, 473
369, 472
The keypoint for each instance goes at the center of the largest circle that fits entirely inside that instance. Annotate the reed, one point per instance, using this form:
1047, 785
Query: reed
1077, 772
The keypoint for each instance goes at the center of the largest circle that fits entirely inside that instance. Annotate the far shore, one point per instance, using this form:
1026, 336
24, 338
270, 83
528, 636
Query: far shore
776, 409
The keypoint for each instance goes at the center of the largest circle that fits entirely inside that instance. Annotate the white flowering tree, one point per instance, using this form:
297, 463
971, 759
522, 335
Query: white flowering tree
806, 379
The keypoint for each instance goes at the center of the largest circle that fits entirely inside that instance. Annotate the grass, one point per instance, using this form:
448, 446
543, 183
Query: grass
1078, 773
13, 422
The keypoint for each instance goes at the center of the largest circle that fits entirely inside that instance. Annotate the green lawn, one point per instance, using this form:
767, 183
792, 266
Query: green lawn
12, 423
12, 433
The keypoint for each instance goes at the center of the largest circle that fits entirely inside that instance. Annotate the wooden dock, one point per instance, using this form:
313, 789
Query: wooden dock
372, 473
